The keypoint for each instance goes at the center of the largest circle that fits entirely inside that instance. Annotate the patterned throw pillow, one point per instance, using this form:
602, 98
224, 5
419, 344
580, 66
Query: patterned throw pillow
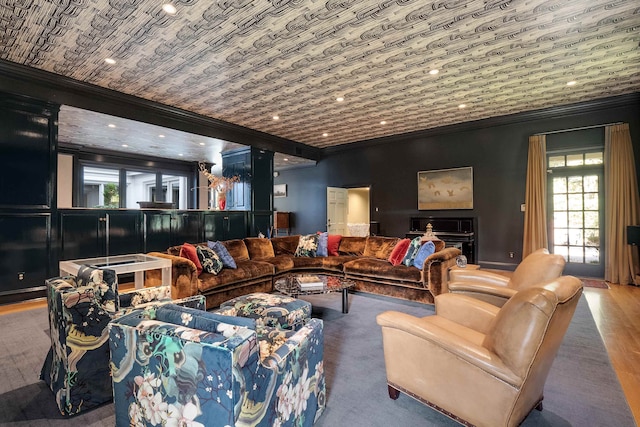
223, 254
323, 240
307, 246
425, 250
211, 263
414, 247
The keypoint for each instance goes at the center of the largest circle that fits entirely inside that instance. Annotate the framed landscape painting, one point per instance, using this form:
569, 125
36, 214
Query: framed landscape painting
280, 190
445, 189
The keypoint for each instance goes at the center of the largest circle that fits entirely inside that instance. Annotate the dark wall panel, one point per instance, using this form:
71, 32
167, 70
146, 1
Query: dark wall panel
497, 153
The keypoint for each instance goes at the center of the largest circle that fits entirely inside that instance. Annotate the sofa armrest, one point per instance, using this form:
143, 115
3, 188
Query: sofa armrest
435, 270
184, 276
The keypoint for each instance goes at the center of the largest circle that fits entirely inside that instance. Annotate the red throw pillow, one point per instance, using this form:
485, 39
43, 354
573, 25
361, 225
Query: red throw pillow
188, 251
399, 251
333, 243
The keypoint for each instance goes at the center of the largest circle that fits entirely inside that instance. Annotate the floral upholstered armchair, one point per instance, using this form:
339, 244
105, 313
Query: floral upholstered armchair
174, 365
76, 368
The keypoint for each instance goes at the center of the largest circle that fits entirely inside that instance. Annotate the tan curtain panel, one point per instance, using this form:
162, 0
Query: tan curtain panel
535, 215
621, 203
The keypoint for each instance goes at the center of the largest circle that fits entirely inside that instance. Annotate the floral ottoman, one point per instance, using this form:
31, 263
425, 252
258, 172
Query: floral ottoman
278, 311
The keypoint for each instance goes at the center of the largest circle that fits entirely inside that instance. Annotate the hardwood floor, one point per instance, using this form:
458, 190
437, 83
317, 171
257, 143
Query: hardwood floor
616, 312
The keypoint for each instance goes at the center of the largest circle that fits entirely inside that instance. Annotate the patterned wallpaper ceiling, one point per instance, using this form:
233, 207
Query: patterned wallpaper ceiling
244, 61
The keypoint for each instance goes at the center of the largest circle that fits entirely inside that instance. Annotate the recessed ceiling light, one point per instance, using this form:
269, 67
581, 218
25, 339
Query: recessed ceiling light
276, 117
111, 125
180, 154
325, 134
285, 159
202, 143
434, 72
571, 83
110, 61
125, 145
383, 122
160, 136
169, 8
461, 106
340, 99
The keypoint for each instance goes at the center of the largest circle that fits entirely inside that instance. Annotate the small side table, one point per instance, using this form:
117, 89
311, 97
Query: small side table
281, 222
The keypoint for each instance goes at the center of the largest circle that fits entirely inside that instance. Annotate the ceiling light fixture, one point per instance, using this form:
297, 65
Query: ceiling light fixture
461, 106
340, 99
434, 72
180, 154
276, 117
110, 61
169, 8
161, 136
111, 125
383, 122
325, 134
571, 83
202, 143
285, 159
125, 145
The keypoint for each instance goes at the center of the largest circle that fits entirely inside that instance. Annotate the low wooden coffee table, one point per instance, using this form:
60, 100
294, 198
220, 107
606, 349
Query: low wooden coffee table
288, 285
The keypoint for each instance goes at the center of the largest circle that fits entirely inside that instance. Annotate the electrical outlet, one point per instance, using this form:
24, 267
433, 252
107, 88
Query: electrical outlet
21, 275
510, 254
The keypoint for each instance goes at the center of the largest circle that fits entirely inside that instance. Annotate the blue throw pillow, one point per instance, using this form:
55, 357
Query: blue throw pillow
425, 250
414, 247
323, 240
223, 254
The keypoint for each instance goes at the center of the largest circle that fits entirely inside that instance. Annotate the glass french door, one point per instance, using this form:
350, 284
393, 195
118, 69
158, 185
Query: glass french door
576, 208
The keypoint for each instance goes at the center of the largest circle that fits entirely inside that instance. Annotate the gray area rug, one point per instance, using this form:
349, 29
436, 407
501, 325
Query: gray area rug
582, 388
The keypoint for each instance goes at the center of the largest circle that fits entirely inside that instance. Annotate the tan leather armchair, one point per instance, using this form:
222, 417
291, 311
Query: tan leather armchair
477, 363
538, 267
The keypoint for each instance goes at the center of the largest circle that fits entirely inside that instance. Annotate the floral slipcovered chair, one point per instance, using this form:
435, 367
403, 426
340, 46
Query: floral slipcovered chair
174, 365
76, 368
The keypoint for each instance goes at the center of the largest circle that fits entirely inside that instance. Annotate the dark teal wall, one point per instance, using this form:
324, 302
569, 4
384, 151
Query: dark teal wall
496, 151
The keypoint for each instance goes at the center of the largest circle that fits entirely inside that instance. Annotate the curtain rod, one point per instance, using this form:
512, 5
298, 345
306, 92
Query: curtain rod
574, 129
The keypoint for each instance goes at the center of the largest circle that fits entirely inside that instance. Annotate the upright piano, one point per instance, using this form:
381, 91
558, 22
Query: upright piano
459, 232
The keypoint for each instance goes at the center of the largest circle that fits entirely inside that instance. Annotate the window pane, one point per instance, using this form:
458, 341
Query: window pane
575, 202
593, 158
101, 187
592, 237
575, 184
591, 202
575, 220
559, 185
575, 236
576, 254
575, 159
556, 161
559, 219
592, 255
591, 183
591, 219
175, 188
561, 250
560, 202
561, 236
138, 187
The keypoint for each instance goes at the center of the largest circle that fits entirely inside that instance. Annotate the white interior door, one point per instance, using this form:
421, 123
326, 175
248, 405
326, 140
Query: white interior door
337, 204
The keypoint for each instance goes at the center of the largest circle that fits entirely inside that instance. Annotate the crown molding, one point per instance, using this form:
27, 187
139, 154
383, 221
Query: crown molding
53, 88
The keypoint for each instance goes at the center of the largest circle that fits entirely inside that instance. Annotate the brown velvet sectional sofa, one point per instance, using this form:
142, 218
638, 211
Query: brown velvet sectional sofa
261, 261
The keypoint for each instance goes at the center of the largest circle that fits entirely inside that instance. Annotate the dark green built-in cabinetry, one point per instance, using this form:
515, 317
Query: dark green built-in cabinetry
35, 235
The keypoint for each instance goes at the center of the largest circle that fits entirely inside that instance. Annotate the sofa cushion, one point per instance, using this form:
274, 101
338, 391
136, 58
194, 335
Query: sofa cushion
425, 250
399, 251
412, 251
285, 245
259, 248
237, 249
210, 261
247, 270
307, 262
379, 247
350, 245
189, 252
223, 254
323, 241
380, 268
333, 243
335, 263
307, 246
281, 263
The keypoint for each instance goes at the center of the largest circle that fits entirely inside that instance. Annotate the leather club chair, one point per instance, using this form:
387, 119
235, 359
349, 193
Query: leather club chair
496, 288
477, 363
